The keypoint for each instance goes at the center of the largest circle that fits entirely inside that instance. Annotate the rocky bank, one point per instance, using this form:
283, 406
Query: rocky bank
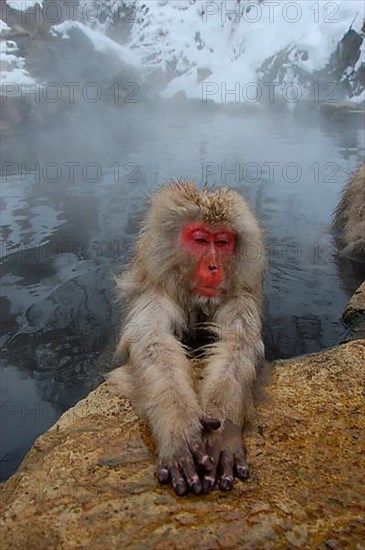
89, 482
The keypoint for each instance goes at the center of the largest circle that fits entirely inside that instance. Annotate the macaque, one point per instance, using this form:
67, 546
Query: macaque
349, 221
199, 259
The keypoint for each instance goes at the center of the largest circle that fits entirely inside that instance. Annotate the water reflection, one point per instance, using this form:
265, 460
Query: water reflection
66, 229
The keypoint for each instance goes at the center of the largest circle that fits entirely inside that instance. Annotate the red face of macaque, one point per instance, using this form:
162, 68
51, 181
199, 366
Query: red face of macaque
211, 247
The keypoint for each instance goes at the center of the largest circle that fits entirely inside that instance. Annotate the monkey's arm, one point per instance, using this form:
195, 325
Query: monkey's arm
227, 387
162, 389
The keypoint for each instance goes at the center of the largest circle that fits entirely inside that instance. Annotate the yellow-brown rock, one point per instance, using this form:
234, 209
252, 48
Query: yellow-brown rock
89, 482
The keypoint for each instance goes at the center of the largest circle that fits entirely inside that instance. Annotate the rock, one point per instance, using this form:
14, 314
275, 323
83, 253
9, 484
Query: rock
203, 73
89, 481
345, 70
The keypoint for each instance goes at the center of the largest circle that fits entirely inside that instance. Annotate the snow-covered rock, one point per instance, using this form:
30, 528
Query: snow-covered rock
226, 51
12, 67
23, 5
100, 42
232, 40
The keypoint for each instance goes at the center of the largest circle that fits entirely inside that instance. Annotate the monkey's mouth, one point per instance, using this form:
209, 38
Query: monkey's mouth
207, 291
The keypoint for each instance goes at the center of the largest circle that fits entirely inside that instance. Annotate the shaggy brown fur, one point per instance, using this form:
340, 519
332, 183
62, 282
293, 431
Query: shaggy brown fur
161, 308
349, 219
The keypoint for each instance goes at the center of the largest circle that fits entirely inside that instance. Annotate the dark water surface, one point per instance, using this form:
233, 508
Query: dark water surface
65, 235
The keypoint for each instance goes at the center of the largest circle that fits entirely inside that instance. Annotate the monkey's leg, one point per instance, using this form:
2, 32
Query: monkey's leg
163, 392
226, 391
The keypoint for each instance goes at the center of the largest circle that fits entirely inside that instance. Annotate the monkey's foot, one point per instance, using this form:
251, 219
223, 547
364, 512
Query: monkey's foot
226, 448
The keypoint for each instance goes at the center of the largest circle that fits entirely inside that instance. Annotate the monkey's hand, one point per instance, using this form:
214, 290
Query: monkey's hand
182, 468
226, 448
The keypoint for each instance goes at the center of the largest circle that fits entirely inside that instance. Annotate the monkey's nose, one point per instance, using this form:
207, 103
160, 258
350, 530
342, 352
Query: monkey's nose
212, 267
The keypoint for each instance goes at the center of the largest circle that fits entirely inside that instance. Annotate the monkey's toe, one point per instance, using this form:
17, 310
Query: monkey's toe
241, 468
180, 488
226, 483
196, 488
163, 475
242, 472
208, 484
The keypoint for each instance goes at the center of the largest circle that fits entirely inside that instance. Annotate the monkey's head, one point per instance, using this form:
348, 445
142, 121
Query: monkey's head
207, 250
201, 245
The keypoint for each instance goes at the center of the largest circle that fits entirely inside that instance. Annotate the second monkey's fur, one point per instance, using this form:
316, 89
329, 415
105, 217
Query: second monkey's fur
349, 219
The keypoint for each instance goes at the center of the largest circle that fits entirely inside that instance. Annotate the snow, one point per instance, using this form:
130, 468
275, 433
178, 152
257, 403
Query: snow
101, 43
359, 98
185, 39
8, 46
23, 5
176, 34
3, 26
16, 74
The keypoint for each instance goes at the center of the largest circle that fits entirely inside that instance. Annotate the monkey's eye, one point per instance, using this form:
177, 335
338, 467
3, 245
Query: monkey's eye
201, 240
221, 242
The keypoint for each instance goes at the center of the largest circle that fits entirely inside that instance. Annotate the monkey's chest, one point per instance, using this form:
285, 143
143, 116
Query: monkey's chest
198, 333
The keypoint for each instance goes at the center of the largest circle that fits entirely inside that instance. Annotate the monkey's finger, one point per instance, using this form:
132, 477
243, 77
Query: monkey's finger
210, 423
241, 468
210, 478
192, 478
201, 457
178, 482
226, 470
163, 474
